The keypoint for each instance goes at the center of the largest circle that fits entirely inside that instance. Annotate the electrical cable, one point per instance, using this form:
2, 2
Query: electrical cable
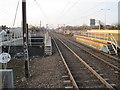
84, 16
86, 10
3, 11
14, 21
41, 9
16, 12
94, 7
66, 6
73, 5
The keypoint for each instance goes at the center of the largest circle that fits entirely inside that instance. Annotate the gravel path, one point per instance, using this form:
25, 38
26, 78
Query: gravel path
47, 72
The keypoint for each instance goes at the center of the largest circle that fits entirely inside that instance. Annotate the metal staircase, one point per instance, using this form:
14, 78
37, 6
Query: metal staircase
112, 45
111, 49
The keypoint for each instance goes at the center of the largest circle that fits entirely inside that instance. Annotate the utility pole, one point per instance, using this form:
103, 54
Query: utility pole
46, 26
58, 25
25, 42
105, 15
119, 15
27, 34
40, 23
63, 27
99, 24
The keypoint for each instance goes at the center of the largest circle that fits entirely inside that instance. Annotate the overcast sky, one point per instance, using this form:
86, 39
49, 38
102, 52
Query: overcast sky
54, 12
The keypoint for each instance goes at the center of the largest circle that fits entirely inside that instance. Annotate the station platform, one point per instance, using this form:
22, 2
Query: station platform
95, 39
106, 46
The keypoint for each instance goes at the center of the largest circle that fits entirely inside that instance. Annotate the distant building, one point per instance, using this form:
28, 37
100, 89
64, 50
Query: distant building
119, 13
16, 30
92, 22
0, 28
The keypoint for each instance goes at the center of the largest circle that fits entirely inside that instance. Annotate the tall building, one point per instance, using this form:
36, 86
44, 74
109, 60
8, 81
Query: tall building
119, 13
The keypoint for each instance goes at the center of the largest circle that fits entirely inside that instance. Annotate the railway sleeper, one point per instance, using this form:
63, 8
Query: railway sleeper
66, 78
106, 79
115, 86
92, 87
101, 75
68, 87
68, 83
116, 72
93, 80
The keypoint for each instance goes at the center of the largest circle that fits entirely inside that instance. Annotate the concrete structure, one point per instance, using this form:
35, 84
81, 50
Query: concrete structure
119, 13
48, 45
7, 74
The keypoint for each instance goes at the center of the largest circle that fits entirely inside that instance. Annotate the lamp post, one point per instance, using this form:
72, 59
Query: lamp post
105, 15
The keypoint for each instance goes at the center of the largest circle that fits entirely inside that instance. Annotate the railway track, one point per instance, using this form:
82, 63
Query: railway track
114, 63
109, 60
81, 74
114, 57
99, 72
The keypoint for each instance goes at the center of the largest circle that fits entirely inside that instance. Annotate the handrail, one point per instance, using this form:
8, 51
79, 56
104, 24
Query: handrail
114, 49
108, 50
112, 39
7, 39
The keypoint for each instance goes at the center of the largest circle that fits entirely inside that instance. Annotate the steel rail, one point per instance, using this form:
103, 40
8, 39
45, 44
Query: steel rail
116, 59
111, 65
108, 55
69, 72
93, 71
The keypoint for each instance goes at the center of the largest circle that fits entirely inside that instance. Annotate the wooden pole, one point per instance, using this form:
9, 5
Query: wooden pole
25, 44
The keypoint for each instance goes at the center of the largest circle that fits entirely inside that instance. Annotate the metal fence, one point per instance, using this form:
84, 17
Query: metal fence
11, 39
